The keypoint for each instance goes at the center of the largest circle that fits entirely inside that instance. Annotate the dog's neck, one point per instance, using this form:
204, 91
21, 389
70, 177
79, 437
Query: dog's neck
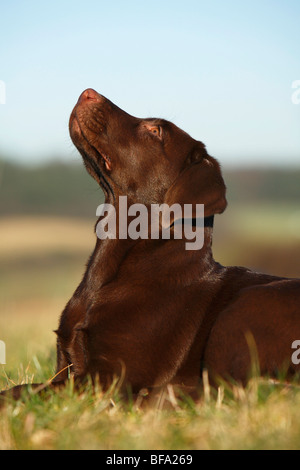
139, 251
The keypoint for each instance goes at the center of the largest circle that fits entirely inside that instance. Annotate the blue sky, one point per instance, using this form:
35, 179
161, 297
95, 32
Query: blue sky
221, 70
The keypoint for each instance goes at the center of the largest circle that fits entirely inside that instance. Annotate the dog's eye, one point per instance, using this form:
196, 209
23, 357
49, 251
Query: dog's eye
156, 130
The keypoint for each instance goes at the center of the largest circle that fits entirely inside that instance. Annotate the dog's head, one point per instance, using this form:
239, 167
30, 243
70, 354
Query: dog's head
151, 161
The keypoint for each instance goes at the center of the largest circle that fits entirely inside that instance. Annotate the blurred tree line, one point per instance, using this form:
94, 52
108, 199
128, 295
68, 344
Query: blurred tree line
58, 188
54, 188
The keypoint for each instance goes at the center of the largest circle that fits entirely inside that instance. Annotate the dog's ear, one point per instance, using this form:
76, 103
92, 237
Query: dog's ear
200, 182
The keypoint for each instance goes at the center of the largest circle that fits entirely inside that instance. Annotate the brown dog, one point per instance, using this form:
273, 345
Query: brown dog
148, 309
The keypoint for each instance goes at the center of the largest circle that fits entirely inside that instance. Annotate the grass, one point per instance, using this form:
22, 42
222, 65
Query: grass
39, 272
262, 416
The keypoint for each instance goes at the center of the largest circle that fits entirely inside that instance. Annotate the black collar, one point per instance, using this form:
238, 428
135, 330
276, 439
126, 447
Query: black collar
208, 222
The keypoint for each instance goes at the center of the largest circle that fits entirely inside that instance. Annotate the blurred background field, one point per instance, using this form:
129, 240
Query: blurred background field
47, 217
